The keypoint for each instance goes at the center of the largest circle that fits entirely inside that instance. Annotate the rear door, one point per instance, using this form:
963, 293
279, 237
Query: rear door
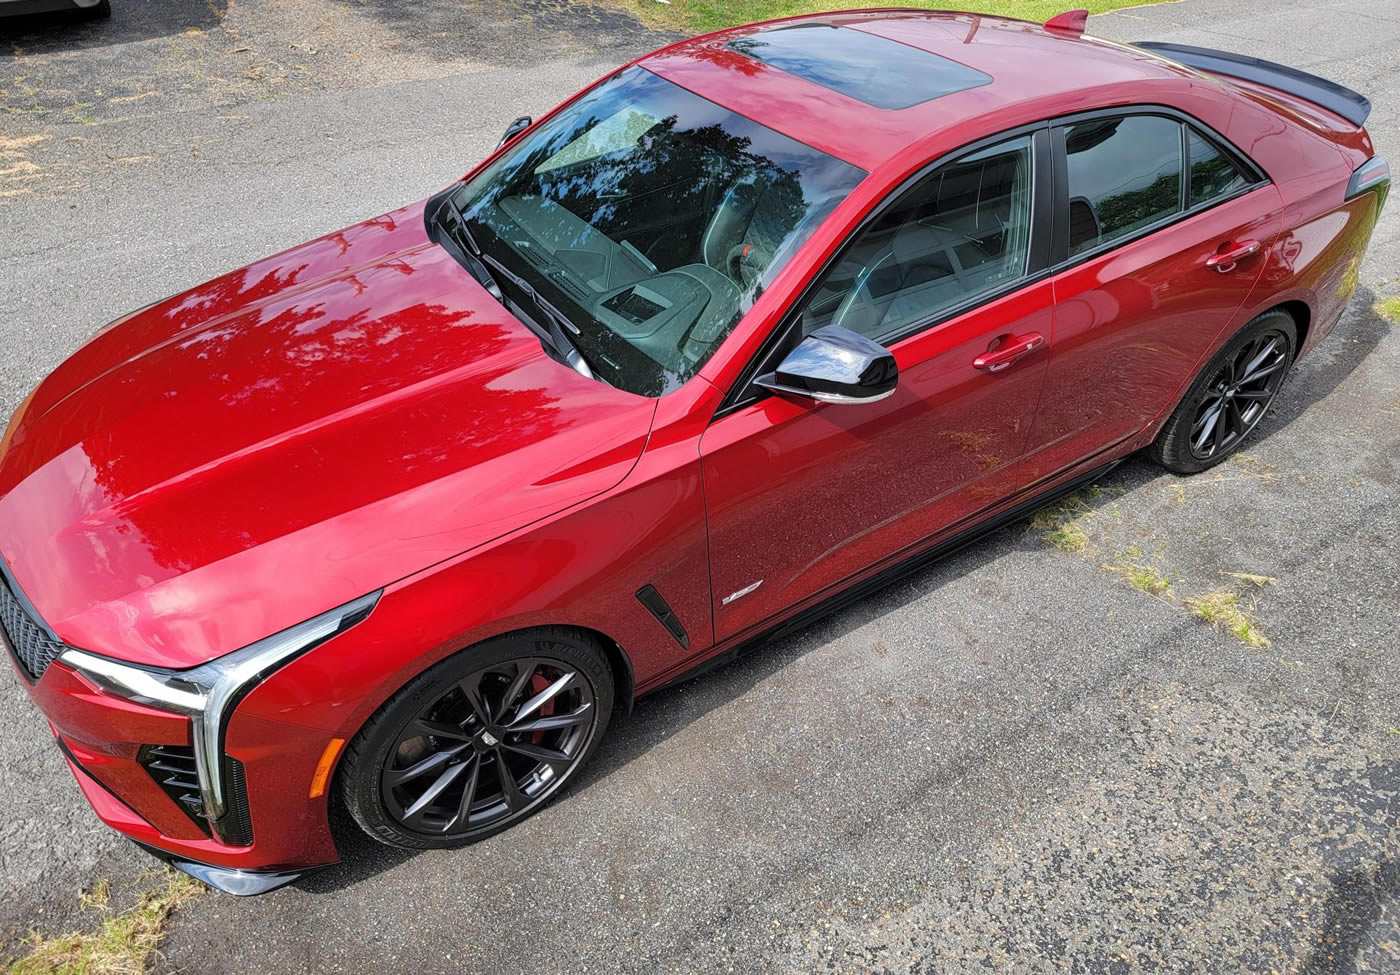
1146, 198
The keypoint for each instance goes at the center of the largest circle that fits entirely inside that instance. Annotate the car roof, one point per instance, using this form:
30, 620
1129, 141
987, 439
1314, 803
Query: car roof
1035, 72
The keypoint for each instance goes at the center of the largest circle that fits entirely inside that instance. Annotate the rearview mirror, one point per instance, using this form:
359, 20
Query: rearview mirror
835, 365
515, 128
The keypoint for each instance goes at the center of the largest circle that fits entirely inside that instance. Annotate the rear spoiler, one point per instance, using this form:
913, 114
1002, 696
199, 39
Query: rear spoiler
1341, 101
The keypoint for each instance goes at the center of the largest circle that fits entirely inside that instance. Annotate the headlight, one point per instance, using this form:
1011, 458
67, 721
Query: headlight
209, 693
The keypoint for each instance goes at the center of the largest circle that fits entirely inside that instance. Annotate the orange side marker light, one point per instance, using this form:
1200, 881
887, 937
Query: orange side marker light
323, 767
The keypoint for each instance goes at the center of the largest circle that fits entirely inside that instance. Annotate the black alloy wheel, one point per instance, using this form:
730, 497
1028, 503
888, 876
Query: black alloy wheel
1239, 394
487, 744
1230, 396
490, 747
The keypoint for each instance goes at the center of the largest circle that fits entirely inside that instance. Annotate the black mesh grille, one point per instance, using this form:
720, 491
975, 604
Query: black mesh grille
30, 640
173, 768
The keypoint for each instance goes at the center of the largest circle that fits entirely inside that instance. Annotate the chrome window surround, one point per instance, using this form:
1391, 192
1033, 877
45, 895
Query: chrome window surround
209, 693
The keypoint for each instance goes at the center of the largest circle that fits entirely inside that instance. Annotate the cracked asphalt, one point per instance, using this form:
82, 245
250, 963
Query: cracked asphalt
1014, 760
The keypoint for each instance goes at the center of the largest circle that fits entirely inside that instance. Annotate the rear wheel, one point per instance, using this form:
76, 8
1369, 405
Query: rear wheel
1230, 396
480, 741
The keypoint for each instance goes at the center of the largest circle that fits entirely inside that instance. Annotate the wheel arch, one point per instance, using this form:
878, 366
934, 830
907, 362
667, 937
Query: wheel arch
624, 681
1302, 317
1296, 308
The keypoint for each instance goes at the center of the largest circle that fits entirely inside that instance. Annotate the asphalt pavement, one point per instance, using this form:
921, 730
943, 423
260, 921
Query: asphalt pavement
1014, 760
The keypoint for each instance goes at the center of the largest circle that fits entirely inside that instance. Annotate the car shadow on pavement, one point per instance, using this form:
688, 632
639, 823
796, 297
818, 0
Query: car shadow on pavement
1350, 912
660, 716
76, 30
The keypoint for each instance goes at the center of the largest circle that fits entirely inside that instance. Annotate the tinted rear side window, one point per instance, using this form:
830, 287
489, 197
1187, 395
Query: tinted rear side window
1212, 173
875, 70
1124, 174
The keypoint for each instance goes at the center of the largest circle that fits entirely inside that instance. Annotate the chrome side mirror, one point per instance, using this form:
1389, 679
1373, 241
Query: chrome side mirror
835, 365
515, 128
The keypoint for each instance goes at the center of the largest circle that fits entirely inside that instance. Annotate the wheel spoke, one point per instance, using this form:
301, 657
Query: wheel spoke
397, 777
1258, 358
1221, 432
440, 729
1261, 372
542, 698
515, 799
1236, 419
471, 687
517, 687
464, 805
554, 721
1260, 395
448, 776
1208, 424
554, 759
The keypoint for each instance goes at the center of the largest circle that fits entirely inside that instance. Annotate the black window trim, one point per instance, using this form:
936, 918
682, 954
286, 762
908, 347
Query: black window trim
1050, 208
1043, 196
1062, 260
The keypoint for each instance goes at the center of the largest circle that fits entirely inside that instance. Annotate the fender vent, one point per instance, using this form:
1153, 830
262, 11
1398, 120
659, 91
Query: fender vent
658, 607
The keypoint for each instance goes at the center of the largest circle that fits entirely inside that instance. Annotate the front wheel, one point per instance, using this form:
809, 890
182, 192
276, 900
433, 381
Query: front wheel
1230, 396
480, 741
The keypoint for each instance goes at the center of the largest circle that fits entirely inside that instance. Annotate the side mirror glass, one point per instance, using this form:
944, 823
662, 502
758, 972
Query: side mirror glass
515, 128
835, 365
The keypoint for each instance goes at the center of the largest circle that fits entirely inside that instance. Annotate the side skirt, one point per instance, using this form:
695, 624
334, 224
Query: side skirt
886, 576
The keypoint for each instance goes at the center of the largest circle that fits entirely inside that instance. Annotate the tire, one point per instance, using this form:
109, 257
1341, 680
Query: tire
1250, 369
100, 12
395, 761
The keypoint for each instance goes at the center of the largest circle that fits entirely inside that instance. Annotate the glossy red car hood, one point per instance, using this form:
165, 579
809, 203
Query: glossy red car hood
241, 457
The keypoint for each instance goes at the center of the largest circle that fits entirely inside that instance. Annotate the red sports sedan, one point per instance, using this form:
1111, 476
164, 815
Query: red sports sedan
403, 517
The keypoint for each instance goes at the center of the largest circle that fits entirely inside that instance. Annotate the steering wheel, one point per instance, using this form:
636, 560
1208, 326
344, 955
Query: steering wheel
745, 262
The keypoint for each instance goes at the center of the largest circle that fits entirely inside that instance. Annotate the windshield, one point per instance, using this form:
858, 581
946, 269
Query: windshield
651, 219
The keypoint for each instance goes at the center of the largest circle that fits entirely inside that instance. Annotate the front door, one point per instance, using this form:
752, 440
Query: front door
802, 495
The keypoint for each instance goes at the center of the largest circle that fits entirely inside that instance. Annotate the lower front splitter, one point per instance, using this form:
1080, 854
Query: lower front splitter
230, 880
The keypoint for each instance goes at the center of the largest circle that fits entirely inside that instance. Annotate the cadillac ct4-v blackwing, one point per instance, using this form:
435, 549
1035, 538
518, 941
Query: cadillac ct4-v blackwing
400, 518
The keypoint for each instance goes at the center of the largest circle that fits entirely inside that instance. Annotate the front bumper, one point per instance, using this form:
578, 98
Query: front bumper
115, 813
104, 739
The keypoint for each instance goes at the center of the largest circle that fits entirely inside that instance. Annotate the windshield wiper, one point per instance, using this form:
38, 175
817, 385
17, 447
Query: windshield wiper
556, 321
558, 325
473, 249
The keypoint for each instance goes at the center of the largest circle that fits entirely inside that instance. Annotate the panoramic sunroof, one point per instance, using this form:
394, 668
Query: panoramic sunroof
875, 70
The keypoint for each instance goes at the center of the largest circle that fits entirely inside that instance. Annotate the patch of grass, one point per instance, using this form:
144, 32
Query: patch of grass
1058, 524
1222, 609
1148, 579
126, 943
1252, 579
697, 16
1389, 309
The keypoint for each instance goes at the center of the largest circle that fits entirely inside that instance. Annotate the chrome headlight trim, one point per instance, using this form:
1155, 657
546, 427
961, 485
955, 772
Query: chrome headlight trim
210, 692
